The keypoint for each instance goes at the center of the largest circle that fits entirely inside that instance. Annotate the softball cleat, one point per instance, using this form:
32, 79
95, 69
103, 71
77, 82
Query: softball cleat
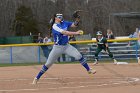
96, 62
91, 71
35, 81
138, 60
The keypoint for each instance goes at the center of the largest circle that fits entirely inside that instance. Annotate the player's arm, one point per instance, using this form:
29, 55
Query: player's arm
96, 42
62, 31
107, 48
71, 33
106, 43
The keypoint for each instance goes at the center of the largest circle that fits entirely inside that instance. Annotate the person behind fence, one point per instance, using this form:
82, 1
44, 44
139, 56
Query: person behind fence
139, 44
48, 41
61, 45
109, 34
62, 58
134, 35
139, 37
102, 45
46, 48
40, 39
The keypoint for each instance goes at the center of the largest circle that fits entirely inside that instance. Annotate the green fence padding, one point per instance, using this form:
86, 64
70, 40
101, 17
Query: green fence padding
2, 41
16, 40
27, 39
13, 40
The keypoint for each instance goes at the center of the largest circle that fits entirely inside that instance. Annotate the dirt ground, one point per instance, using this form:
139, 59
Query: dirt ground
71, 78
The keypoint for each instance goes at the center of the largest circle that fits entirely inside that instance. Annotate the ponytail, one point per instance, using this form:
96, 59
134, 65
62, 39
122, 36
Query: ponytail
51, 23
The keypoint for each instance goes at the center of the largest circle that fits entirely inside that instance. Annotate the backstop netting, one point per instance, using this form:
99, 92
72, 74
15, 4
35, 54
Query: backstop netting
123, 49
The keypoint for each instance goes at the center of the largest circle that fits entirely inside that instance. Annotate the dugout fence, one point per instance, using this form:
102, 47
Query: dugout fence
33, 53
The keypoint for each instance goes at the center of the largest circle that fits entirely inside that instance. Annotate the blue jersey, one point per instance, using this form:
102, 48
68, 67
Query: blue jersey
57, 29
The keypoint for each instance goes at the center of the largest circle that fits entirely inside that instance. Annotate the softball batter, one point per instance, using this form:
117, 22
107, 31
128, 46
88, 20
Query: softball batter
102, 44
61, 45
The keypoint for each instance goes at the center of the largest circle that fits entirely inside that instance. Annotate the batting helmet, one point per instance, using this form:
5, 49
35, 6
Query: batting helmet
99, 33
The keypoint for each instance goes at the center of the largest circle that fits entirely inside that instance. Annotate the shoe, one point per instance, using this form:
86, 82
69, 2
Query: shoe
115, 61
91, 71
138, 60
96, 62
35, 81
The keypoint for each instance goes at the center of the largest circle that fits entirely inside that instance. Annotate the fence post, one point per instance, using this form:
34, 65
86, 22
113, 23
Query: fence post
11, 56
39, 54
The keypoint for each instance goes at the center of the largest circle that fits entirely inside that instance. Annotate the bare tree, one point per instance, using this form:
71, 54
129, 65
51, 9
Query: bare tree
97, 17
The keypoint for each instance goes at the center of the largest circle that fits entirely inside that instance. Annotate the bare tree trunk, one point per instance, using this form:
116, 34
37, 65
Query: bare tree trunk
97, 17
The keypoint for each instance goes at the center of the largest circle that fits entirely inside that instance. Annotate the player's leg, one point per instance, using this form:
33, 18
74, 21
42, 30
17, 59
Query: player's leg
98, 50
73, 52
53, 56
110, 55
